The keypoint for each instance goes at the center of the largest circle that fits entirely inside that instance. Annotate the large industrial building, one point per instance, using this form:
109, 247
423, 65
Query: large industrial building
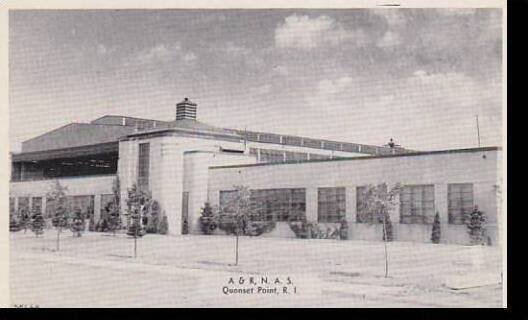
185, 162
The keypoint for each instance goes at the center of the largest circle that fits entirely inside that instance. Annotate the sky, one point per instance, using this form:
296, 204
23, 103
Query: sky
359, 75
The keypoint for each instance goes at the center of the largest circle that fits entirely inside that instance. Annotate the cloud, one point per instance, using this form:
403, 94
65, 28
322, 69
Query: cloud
260, 90
189, 57
456, 11
389, 39
160, 54
393, 17
305, 32
424, 110
101, 50
281, 70
234, 49
331, 87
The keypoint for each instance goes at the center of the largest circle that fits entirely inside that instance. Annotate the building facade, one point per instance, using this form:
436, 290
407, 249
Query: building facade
185, 162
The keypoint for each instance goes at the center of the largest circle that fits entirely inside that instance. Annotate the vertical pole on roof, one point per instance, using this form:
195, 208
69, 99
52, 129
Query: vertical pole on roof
245, 138
478, 130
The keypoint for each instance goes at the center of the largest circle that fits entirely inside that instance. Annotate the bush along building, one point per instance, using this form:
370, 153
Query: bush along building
299, 185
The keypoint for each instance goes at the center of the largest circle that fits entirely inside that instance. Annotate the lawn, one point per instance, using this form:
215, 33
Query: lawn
99, 270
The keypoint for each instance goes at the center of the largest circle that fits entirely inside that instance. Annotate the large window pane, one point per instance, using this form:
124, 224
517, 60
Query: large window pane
460, 202
417, 204
270, 204
331, 204
143, 165
366, 212
36, 204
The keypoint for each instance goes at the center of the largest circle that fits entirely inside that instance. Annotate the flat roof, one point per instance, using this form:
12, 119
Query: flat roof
409, 154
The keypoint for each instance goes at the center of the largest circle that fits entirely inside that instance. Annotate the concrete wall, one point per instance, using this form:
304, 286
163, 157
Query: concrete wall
77, 186
438, 169
196, 176
168, 170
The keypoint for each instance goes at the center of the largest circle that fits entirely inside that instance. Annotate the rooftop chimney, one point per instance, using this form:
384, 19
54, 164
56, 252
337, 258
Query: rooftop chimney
186, 110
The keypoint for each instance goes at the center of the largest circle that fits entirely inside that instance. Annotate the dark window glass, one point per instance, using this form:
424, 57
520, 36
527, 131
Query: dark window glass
314, 156
11, 205
267, 155
36, 204
460, 202
270, 204
296, 156
292, 141
417, 204
106, 203
23, 203
143, 165
366, 212
331, 145
331, 204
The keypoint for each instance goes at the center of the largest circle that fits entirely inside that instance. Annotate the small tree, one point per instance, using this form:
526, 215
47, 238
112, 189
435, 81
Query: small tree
57, 194
37, 222
476, 225
24, 218
343, 230
388, 234
77, 225
239, 208
114, 209
138, 202
154, 220
13, 224
207, 219
377, 202
164, 225
436, 232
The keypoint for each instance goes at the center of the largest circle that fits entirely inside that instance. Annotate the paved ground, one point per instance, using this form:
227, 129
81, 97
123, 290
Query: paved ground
99, 270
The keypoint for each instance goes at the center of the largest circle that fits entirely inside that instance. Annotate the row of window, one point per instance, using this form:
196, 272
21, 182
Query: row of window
85, 203
416, 204
274, 156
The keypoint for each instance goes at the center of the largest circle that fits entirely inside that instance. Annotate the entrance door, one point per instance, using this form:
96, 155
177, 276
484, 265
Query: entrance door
185, 213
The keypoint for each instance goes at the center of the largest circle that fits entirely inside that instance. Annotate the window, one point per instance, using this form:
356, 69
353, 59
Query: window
278, 204
364, 212
314, 156
269, 137
227, 198
293, 141
267, 155
85, 203
311, 143
23, 203
16, 171
460, 202
185, 212
331, 204
50, 208
417, 204
295, 156
36, 204
331, 145
11, 205
106, 203
270, 204
143, 165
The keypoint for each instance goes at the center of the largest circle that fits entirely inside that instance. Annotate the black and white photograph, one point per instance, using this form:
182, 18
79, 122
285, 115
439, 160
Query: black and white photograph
256, 157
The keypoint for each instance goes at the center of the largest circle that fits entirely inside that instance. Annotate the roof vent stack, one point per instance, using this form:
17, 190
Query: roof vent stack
186, 110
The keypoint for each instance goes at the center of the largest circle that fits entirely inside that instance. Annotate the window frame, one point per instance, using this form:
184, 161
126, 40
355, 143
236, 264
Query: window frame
143, 169
331, 204
423, 217
459, 218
